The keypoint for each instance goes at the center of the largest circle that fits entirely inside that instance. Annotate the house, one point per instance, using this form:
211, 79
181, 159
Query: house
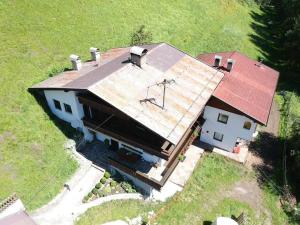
242, 100
148, 103
145, 102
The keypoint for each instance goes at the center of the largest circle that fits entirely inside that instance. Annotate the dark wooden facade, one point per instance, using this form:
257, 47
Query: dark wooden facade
104, 118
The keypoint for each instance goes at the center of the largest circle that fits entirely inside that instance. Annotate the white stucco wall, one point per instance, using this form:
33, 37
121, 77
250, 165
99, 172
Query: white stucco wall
231, 131
69, 98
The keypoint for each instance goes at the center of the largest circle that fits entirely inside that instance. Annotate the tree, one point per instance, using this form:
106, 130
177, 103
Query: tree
141, 36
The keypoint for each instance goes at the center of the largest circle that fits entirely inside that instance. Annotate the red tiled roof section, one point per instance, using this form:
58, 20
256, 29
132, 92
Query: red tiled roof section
248, 87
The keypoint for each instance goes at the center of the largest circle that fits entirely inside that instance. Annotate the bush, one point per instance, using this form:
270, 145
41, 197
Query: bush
141, 36
107, 174
98, 186
90, 194
181, 157
107, 190
103, 180
113, 183
95, 191
127, 187
106, 142
85, 199
101, 193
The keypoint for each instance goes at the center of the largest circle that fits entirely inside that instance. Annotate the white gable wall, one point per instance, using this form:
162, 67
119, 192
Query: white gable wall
231, 131
69, 98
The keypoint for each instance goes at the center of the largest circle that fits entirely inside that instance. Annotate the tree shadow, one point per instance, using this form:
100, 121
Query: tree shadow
270, 41
269, 148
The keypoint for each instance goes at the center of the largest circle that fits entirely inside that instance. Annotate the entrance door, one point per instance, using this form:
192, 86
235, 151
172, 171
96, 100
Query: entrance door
114, 145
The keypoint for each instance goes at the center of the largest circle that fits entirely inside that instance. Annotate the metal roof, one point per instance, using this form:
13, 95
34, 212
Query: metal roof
125, 86
184, 100
248, 87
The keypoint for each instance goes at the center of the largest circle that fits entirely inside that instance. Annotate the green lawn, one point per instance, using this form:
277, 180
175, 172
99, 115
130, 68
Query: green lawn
116, 210
203, 198
38, 36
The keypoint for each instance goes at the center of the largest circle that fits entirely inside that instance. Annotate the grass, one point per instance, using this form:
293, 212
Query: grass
117, 210
203, 197
202, 200
38, 36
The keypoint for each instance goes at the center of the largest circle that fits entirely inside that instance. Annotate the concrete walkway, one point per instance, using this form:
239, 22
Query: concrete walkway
68, 207
180, 175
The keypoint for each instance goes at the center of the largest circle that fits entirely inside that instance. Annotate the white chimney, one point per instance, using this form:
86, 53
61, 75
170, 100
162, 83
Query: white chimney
230, 63
137, 55
76, 62
218, 61
95, 53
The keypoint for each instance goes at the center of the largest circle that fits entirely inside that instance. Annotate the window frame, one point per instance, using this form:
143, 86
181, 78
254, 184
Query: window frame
220, 140
66, 110
221, 114
58, 107
245, 127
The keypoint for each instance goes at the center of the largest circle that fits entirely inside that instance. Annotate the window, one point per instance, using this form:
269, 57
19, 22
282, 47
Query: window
218, 136
247, 125
222, 118
68, 108
57, 104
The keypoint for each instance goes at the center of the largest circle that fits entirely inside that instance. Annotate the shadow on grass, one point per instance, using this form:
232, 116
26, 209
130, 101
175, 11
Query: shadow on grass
268, 148
269, 39
270, 172
65, 127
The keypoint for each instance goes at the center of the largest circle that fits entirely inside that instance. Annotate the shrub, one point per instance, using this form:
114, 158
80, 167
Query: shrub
101, 193
106, 142
103, 180
141, 36
113, 183
127, 187
107, 174
181, 157
85, 199
95, 191
90, 194
98, 186
107, 190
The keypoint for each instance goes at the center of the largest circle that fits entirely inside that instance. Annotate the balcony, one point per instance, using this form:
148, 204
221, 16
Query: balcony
124, 160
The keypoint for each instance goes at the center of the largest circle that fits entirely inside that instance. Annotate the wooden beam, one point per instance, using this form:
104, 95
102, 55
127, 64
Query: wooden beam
165, 145
137, 174
148, 149
102, 107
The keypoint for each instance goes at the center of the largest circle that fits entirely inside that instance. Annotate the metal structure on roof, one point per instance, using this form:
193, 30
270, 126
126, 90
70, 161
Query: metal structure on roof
124, 84
184, 100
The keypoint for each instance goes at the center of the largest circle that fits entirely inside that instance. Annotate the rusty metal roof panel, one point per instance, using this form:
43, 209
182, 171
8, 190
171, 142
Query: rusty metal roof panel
184, 99
123, 85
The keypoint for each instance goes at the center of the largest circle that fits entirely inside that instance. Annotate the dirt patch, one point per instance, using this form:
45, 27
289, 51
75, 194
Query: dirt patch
36, 147
273, 122
248, 191
7, 135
